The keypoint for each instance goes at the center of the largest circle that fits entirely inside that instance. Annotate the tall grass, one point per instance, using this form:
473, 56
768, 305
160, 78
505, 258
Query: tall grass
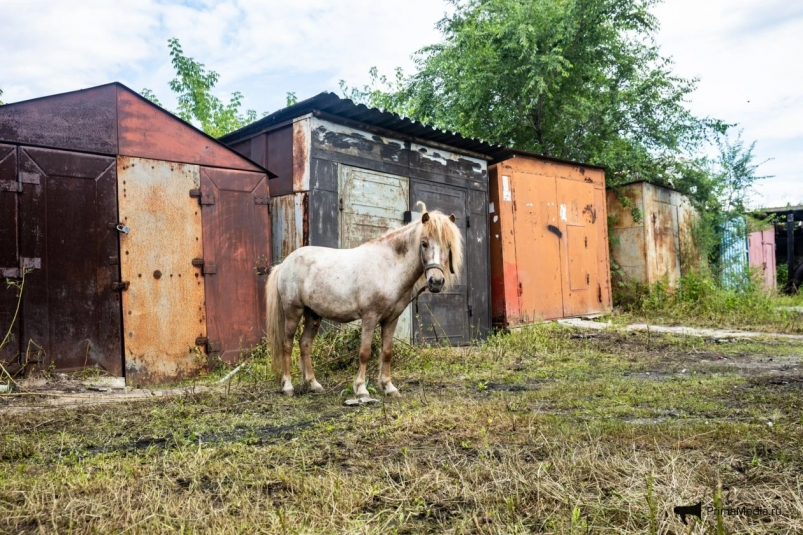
701, 300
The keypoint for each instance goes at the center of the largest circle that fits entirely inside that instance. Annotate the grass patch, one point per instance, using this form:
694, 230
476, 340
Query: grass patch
701, 301
546, 430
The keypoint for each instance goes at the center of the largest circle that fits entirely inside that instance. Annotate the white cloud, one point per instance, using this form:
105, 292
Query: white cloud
746, 54
745, 50
262, 49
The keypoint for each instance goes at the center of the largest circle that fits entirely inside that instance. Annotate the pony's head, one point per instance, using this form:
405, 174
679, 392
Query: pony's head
440, 249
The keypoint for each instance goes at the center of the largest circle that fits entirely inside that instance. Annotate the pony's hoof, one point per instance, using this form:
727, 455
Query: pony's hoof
288, 392
393, 393
316, 387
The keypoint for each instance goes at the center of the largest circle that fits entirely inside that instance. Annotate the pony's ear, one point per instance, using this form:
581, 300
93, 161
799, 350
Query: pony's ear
425, 217
452, 218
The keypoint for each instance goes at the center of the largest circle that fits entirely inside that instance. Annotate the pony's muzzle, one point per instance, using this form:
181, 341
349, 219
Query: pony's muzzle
435, 284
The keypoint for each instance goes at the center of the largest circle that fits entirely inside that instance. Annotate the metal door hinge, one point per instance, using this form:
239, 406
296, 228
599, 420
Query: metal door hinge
29, 178
11, 186
211, 346
204, 200
30, 263
262, 200
341, 204
120, 286
10, 273
208, 268
468, 221
25, 263
470, 311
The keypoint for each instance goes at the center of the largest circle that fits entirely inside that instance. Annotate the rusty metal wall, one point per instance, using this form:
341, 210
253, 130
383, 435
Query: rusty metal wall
83, 120
9, 255
163, 307
236, 253
146, 131
71, 308
287, 224
549, 241
659, 244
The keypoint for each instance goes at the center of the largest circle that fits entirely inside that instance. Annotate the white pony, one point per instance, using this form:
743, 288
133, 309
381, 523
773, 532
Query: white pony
373, 282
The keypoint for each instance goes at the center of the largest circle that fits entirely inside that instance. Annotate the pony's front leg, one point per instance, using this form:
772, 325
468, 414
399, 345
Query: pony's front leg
311, 325
290, 326
368, 326
388, 330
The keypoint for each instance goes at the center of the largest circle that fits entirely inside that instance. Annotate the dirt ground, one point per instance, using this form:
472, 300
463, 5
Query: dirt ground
552, 429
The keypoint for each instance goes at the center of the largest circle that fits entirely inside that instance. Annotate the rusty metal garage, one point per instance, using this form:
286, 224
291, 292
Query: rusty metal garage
347, 173
549, 239
652, 232
141, 234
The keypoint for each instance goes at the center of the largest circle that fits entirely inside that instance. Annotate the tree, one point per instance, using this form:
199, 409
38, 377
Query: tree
1, 94
575, 79
196, 103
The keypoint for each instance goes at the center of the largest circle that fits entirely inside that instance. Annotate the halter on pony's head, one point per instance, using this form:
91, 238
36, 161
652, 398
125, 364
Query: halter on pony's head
441, 229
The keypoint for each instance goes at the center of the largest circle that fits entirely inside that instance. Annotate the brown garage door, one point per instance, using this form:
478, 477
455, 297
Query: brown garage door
68, 209
9, 256
236, 241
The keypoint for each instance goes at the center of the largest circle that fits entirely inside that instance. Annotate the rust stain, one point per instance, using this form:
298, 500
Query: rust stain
305, 218
592, 213
301, 150
287, 225
163, 308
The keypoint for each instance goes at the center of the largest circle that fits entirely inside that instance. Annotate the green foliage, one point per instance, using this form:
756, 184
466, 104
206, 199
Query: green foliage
193, 86
577, 79
291, 98
150, 95
1, 94
700, 299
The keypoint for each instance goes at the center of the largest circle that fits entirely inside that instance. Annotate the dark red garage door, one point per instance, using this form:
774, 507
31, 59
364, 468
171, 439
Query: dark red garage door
67, 214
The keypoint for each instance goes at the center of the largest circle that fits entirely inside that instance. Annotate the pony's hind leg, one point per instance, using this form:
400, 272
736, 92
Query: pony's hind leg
368, 326
312, 323
291, 321
388, 329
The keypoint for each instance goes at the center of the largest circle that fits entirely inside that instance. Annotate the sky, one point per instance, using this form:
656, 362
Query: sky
747, 55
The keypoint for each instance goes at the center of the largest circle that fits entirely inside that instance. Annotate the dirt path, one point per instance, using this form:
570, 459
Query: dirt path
681, 330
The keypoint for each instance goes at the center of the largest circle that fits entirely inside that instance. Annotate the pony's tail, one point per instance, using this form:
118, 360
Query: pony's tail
275, 313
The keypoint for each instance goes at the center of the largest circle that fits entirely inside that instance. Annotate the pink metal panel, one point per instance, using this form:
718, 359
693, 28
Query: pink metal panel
761, 252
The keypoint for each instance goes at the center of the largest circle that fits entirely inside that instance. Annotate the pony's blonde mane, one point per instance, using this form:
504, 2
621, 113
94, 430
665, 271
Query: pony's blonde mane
441, 229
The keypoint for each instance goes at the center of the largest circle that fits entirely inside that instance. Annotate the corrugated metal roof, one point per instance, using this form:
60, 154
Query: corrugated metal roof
329, 104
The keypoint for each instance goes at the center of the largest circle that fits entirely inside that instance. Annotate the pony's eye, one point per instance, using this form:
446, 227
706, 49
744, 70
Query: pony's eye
424, 244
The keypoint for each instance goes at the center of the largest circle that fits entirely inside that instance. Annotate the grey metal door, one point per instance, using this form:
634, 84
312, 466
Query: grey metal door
71, 301
444, 317
371, 204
